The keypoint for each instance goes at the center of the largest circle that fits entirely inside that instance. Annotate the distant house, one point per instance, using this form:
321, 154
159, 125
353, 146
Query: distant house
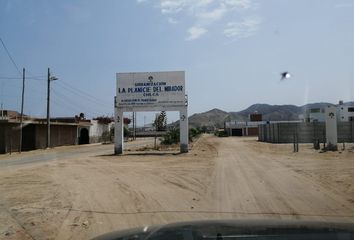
244, 128
64, 131
344, 114
101, 130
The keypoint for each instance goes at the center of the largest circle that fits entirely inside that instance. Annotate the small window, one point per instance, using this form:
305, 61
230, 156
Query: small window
315, 110
351, 109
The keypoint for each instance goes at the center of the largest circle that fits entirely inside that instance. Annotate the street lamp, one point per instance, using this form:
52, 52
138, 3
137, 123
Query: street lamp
50, 78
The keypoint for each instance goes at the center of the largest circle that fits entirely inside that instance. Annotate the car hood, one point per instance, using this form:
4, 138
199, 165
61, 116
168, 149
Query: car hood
238, 229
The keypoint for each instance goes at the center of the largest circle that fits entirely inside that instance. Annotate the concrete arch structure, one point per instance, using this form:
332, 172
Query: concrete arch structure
149, 92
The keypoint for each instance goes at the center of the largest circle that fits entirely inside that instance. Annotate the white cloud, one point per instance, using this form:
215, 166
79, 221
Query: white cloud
195, 33
344, 5
212, 15
202, 13
244, 4
172, 6
246, 28
172, 20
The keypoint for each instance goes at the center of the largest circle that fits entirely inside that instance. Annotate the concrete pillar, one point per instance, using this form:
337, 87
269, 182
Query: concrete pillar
331, 127
183, 130
118, 131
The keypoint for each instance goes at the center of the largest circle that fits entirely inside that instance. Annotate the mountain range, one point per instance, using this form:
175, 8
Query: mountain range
217, 117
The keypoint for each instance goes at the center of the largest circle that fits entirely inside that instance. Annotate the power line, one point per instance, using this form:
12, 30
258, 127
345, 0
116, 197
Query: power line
75, 93
65, 106
8, 78
31, 88
32, 78
87, 96
64, 99
8, 54
71, 87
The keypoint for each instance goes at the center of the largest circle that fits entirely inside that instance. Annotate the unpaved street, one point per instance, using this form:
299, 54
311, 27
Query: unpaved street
64, 152
83, 195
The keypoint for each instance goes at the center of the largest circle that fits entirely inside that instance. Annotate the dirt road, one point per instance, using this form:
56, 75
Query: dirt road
60, 153
86, 195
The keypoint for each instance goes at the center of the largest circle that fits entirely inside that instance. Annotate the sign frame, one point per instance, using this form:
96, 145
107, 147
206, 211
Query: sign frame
162, 103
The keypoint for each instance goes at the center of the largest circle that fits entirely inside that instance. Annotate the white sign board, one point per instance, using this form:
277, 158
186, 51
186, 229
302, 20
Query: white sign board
150, 89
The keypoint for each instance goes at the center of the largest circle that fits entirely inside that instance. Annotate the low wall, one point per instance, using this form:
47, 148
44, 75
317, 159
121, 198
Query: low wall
9, 137
148, 134
306, 132
34, 136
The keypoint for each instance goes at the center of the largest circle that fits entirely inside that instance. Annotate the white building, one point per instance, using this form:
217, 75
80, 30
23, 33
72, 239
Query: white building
99, 131
344, 114
314, 115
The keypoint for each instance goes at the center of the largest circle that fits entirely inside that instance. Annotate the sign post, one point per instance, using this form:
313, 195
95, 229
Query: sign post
183, 134
150, 91
331, 128
118, 131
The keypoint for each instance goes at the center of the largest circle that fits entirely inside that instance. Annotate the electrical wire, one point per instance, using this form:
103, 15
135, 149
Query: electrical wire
65, 106
92, 101
19, 78
65, 100
85, 94
9, 55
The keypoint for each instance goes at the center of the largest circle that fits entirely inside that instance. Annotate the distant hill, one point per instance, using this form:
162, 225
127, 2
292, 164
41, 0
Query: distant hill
217, 117
271, 112
214, 117
278, 112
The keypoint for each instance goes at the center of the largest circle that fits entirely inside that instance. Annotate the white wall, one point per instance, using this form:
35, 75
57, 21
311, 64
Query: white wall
343, 114
97, 129
341, 111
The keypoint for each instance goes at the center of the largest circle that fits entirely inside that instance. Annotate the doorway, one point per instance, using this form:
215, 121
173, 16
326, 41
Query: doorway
84, 136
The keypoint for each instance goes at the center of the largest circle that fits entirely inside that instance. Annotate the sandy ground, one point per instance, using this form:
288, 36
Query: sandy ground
82, 196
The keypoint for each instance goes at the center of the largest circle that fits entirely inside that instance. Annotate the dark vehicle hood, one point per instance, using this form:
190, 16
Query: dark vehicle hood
238, 229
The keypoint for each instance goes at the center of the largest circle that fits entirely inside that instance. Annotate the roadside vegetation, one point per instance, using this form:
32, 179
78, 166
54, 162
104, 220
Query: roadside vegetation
221, 133
172, 135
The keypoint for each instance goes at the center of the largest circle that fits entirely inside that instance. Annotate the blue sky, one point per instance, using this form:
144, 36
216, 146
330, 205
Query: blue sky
233, 51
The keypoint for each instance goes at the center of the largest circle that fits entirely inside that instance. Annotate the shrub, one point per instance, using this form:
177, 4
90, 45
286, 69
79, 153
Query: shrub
171, 137
125, 132
221, 134
194, 132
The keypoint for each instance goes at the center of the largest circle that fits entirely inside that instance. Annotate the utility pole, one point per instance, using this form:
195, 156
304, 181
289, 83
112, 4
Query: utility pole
2, 100
50, 78
2, 110
23, 99
48, 109
134, 125
144, 122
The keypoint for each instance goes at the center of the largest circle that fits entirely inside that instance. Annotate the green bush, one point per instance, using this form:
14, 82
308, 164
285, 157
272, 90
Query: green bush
171, 137
125, 132
221, 134
194, 132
